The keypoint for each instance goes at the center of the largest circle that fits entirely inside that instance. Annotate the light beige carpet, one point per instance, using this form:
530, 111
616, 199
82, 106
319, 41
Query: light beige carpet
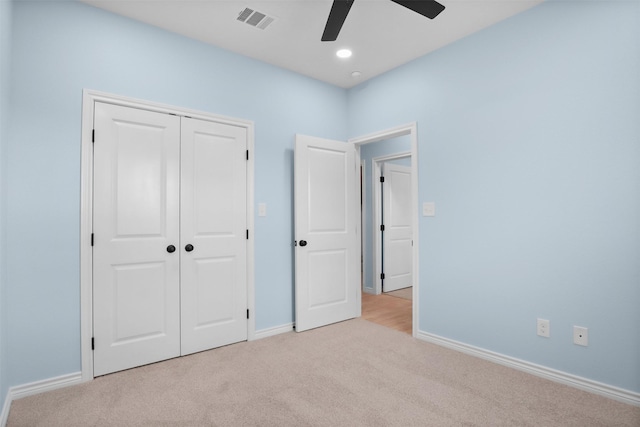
405, 293
354, 373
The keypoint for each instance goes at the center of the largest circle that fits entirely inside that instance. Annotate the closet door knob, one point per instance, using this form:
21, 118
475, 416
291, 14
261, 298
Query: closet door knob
171, 249
189, 247
303, 243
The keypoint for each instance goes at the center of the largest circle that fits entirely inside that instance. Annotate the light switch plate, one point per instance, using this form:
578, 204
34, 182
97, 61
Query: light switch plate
262, 209
428, 209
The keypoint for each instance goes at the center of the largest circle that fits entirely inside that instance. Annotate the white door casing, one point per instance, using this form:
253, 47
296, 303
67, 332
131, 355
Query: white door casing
327, 255
136, 217
398, 230
213, 221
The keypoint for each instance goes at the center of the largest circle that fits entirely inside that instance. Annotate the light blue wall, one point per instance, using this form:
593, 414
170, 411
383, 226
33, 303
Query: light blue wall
368, 152
529, 144
5, 56
59, 48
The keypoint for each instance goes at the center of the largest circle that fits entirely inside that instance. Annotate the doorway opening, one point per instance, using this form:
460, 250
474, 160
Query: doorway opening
394, 305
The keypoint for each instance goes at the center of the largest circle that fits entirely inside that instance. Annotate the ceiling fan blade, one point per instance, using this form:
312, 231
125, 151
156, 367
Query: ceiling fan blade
337, 15
428, 8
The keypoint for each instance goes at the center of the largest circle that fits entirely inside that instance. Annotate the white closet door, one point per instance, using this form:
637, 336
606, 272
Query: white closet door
398, 231
136, 219
213, 223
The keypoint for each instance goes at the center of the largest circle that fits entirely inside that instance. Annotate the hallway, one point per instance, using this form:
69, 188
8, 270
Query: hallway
389, 311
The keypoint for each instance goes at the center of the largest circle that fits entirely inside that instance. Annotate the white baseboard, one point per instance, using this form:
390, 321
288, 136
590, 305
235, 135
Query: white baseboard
36, 387
25, 390
276, 330
615, 393
5, 411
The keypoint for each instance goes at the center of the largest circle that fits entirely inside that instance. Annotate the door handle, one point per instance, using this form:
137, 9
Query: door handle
303, 243
171, 249
189, 247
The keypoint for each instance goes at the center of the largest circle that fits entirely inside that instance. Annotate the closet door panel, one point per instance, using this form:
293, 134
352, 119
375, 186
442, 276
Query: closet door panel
136, 217
213, 222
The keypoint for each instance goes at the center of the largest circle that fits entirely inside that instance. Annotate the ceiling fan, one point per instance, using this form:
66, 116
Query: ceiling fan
340, 10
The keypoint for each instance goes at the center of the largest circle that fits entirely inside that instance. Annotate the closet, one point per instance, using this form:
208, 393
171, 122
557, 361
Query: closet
169, 236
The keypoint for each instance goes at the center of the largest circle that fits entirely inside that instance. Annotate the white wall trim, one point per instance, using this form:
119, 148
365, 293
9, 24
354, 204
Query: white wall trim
410, 129
366, 287
615, 393
5, 410
276, 330
18, 392
24, 390
89, 98
251, 243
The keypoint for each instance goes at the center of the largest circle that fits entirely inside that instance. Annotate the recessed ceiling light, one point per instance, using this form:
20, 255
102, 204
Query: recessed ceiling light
356, 74
343, 53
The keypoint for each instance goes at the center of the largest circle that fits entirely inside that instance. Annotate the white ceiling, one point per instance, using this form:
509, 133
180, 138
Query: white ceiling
381, 33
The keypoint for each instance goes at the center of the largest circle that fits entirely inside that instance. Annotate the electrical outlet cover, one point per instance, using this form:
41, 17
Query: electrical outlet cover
544, 329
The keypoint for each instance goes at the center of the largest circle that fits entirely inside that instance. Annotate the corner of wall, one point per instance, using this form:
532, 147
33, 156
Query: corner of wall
5, 61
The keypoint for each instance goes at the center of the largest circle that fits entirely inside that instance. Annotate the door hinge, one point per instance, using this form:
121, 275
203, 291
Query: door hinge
247, 313
247, 154
93, 344
247, 234
91, 239
93, 135
382, 227
382, 179
382, 276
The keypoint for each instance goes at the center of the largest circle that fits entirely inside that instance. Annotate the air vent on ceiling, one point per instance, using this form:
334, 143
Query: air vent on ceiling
255, 18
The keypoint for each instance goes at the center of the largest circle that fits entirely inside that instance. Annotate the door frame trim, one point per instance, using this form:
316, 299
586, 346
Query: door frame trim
410, 129
89, 98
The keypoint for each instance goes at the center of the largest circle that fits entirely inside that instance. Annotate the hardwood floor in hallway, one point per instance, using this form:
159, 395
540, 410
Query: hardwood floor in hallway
385, 310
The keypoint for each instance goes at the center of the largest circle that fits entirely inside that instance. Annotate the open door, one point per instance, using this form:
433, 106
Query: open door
398, 230
327, 260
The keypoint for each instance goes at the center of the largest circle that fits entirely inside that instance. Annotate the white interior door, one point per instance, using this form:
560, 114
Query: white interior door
398, 232
327, 260
214, 223
136, 218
